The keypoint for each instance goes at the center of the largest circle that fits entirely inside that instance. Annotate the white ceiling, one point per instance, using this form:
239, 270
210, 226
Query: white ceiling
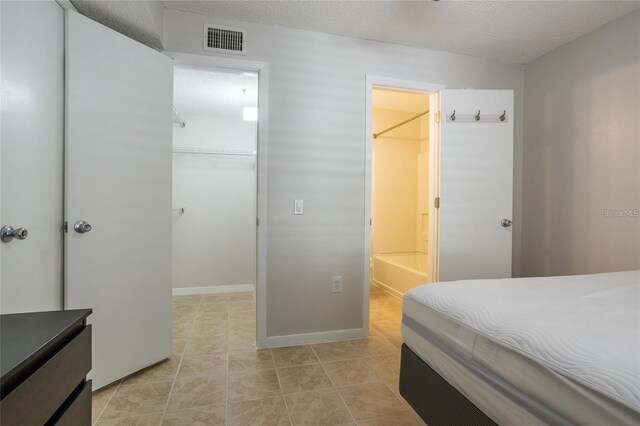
399, 100
142, 20
202, 91
515, 31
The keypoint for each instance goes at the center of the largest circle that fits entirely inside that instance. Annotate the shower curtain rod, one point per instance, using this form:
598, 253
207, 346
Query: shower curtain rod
375, 135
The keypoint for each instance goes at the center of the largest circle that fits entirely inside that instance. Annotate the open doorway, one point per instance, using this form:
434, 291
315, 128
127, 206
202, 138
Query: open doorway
402, 191
214, 207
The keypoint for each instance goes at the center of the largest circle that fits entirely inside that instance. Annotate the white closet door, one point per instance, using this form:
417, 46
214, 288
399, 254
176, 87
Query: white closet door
32, 153
118, 180
476, 184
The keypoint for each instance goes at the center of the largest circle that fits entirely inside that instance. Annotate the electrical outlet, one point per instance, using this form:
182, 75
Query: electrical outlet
336, 284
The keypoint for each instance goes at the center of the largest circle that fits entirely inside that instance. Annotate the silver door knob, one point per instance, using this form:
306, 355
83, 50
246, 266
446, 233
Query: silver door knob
506, 223
81, 227
8, 233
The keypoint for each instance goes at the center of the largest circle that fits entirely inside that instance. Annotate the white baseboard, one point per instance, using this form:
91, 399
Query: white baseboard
387, 289
214, 289
319, 337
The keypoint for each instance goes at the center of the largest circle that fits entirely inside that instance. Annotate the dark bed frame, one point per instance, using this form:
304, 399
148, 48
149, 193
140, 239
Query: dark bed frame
433, 398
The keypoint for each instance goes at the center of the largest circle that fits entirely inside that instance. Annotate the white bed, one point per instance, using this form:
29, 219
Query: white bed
551, 350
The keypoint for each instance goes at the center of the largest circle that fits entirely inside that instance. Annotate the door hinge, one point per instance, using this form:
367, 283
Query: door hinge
437, 202
257, 221
370, 222
438, 117
65, 227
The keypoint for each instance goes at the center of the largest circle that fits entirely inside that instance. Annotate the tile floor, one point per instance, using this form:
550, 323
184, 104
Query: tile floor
217, 377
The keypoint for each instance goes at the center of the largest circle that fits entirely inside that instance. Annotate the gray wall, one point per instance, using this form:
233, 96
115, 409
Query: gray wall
316, 153
581, 154
214, 241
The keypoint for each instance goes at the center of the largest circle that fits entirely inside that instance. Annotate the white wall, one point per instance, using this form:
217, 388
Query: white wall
214, 240
394, 183
582, 154
399, 176
316, 153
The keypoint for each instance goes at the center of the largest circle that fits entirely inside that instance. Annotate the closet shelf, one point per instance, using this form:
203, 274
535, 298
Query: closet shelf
215, 151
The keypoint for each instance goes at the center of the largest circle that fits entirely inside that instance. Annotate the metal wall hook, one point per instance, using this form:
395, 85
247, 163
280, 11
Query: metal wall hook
477, 117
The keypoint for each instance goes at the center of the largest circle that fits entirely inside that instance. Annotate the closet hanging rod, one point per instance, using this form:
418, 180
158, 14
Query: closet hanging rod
180, 121
375, 135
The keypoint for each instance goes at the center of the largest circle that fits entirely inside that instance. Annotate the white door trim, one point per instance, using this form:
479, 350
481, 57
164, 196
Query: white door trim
371, 81
262, 68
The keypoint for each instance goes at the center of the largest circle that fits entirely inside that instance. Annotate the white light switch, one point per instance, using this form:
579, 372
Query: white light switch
298, 207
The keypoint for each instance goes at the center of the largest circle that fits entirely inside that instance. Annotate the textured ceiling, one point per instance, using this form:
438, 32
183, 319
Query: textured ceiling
142, 20
400, 100
511, 31
202, 91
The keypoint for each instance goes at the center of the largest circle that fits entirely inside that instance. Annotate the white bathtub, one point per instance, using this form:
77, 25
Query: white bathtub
400, 272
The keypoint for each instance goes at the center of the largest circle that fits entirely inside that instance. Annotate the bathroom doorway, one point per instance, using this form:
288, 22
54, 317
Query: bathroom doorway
402, 194
400, 189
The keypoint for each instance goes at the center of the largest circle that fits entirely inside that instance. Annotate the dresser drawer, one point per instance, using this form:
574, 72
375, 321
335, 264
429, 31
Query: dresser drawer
40, 395
77, 411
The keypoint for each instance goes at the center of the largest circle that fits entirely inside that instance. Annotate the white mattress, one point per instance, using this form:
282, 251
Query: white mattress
535, 350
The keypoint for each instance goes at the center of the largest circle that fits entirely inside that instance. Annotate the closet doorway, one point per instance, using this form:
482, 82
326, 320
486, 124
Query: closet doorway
214, 204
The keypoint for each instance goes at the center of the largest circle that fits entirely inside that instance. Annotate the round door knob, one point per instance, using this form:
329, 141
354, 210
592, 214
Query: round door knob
506, 223
81, 227
20, 233
8, 233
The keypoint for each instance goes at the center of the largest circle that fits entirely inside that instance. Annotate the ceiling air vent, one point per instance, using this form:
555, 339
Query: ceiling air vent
225, 40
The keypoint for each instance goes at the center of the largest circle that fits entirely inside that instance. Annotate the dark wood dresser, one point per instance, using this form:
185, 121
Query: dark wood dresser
45, 358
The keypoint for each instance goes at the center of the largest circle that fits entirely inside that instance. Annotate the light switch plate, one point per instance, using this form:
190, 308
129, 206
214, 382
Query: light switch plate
298, 207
